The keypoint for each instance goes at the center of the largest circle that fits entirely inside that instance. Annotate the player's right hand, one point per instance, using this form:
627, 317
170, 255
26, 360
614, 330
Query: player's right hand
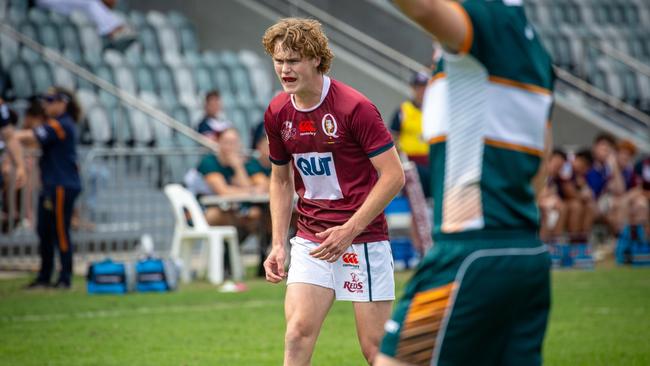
274, 265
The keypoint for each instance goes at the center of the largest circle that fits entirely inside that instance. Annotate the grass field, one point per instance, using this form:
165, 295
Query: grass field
598, 318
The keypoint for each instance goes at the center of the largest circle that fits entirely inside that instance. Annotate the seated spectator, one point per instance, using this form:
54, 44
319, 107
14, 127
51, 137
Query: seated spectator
636, 214
552, 207
618, 209
214, 122
109, 25
625, 154
579, 198
225, 174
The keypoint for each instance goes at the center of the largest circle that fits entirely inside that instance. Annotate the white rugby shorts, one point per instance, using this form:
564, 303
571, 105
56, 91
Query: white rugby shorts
363, 273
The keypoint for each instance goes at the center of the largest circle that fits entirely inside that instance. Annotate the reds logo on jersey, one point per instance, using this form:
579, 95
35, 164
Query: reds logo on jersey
355, 286
350, 260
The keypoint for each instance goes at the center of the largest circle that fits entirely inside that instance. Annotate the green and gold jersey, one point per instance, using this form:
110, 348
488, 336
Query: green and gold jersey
485, 115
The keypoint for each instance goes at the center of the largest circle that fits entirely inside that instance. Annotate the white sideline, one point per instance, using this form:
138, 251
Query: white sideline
96, 314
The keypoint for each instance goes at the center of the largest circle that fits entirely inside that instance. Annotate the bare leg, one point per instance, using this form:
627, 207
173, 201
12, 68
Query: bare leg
305, 308
574, 212
370, 318
383, 360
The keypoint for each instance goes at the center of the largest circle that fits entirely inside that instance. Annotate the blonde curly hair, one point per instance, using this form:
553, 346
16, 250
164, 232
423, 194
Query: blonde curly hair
301, 35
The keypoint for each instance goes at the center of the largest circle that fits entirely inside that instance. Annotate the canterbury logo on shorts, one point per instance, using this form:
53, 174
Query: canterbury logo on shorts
318, 175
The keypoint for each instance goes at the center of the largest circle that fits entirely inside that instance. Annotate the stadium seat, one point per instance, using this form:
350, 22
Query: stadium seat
69, 36
79, 19
90, 42
140, 127
211, 59
41, 77
17, 13
164, 79
148, 39
156, 19
48, 36
121, 125
99, 126
222, 80
168, 40
183, 202
188, 41
124, 79
29, 55
151, 59
113, 58
145, 79
8, 51
177, 20
63, 77
184, 81
21, 80
181, 114
193, 59
29, 30
203, 79
137, 19
86, 98
173, 60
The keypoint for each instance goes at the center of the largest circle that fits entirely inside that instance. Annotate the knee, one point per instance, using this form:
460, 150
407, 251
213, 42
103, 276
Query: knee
298, 332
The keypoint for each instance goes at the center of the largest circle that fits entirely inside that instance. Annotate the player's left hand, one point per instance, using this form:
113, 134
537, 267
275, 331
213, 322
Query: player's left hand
337, 240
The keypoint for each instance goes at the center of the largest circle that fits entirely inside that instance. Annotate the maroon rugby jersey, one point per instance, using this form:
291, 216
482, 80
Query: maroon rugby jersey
330, 146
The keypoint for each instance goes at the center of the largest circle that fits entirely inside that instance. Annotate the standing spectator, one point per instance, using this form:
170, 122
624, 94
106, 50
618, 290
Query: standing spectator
406, 128
60, 181
109, 25
11, 189
7, 121
214, 121
258, 166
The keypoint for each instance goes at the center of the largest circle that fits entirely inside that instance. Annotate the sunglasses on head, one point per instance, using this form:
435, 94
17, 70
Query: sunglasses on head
54, 98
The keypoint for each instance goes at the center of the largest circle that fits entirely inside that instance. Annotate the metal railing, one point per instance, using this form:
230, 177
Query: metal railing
121, 200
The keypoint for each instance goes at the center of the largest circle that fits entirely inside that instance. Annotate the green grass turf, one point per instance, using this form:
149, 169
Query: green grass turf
598, 318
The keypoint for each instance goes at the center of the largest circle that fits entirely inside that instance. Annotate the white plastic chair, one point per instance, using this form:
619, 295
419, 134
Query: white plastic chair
185, 236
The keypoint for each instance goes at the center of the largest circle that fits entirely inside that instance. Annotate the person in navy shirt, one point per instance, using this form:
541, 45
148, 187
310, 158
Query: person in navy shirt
60, 181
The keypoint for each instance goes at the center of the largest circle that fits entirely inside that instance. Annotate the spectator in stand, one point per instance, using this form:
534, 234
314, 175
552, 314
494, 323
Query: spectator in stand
60, 181
619, 206
225, 174
214, 121
8, 119
636, 214
553, 209
579, 198
605, 178
110, 26
625, 154
13, 176
406, 128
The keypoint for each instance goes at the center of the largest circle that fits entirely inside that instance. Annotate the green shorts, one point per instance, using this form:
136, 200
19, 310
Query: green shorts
474, 302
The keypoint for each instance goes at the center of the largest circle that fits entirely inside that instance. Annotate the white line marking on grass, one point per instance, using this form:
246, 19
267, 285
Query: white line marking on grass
174, 309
